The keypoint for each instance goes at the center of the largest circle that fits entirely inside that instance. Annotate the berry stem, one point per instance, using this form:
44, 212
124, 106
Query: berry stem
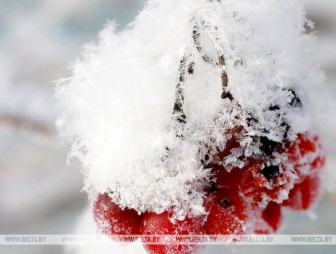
186, 67
224, 77
196, 35
178, 111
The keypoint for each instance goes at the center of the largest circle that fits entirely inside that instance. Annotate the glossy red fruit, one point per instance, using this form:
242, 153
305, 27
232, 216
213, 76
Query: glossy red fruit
224, 180
229, 180
112, 220
265, 184
160, 224
306, 154
228, 213
304, 194
269, 219
303, 145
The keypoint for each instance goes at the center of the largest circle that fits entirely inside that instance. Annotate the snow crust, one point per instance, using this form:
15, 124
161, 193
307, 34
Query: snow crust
118, 105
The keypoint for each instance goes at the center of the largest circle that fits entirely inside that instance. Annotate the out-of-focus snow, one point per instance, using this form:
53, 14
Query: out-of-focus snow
38, 40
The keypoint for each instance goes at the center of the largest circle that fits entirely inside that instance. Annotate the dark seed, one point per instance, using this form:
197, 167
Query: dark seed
212, 186
271, 172
225, 203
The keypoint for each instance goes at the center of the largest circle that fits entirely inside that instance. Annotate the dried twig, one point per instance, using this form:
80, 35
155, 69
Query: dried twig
21, 122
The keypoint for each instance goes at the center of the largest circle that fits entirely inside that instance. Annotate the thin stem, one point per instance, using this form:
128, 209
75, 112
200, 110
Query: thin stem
196, 35
224, 77
21, 122
179, 96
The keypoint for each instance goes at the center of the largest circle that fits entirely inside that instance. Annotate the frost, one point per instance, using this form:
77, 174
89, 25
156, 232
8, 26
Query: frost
122, 106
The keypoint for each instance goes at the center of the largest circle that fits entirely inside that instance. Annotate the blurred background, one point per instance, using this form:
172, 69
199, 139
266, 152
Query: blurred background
39, 192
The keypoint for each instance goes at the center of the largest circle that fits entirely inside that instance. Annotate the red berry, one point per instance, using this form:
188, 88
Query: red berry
305, 153
229, 180
305, 144
265, 184
234, 136
112, 220
228, 213
223, 180
304, 194
159, 224
270, 219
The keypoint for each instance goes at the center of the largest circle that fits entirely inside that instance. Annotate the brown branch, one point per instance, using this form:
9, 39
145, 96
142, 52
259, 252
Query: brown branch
21, 122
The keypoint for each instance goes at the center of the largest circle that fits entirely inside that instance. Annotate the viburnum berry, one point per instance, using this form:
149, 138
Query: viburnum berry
305, 153
221, 178
234, 136
265, 183
112, 220
304, 194
303, 145
269, 219
228, 213
306, 156
229, 180
160, 224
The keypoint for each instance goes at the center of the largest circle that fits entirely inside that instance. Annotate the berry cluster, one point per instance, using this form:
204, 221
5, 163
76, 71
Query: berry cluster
232, 202
282, 172
112, 220
250, 199
238, 200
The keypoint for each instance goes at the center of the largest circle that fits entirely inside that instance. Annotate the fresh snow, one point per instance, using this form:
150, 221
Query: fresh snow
118, 105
